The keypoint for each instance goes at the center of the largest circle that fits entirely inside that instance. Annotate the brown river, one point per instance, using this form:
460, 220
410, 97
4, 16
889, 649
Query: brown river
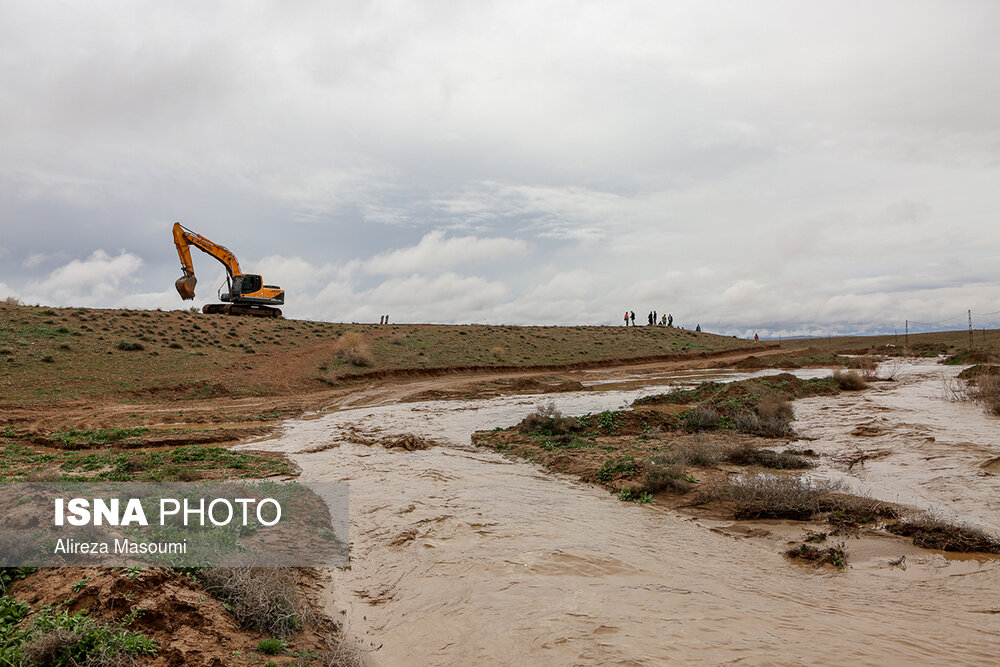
462, 557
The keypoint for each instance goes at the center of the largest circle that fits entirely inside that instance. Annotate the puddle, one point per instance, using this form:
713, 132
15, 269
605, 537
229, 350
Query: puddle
460, 556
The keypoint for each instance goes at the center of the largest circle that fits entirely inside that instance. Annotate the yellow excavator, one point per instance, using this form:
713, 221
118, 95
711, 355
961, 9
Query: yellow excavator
244, 293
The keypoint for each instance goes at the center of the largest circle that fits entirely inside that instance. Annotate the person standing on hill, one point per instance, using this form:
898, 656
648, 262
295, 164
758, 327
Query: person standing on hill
670, 320
654, 317
663, 321
633, 318
626, 318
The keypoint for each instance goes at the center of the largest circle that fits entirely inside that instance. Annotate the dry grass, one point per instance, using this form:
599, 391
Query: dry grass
12, 301
766, 458
701, 419
986, 389
773, 497
835, 555
354, 349
662, 473
849, 380
264, 599
933, 532
547, 420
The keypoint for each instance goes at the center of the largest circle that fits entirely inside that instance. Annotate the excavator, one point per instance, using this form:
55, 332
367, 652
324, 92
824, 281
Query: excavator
244, 293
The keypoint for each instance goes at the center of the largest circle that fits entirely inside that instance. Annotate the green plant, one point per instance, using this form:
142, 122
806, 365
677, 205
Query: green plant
607, 420
623, 467
80, 585
272, 646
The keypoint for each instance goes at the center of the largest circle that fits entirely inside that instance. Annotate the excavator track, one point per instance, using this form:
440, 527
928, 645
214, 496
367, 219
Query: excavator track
239, 309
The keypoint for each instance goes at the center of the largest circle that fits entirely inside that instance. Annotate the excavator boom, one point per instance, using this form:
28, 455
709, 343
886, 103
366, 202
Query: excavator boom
246, 293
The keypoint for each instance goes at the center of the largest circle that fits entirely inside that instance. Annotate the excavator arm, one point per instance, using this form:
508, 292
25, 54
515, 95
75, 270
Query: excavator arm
184, 238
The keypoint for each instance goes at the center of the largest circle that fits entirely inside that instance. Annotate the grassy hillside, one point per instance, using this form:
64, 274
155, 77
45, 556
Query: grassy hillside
54, 354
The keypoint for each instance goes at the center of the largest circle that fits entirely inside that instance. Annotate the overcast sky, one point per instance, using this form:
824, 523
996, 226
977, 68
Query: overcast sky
785, 167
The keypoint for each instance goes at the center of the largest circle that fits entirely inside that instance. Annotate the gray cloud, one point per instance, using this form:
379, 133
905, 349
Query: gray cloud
774, 165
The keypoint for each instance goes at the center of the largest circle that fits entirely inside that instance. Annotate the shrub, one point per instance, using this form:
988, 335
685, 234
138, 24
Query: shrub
128, 346
701, 419
835, 555
849, 380
661, 473
702, 453
771, 497
547, 420
354, 349
932, 532
747, 455
264, 599
985, 388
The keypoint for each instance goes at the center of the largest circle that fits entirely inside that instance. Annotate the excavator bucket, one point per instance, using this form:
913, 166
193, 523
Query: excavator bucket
185, 286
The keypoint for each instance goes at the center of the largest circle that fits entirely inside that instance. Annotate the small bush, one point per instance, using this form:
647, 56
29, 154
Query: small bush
354, 349
264, 599
835, 555
747, 455
660, 473
547, 420
128, 346
701, 419
985, 388
12, 301
771, 497
849, 380
272, 646
701, 453
932, 532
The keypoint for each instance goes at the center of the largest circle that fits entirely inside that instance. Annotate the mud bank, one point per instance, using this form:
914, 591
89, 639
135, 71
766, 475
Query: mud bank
461, 556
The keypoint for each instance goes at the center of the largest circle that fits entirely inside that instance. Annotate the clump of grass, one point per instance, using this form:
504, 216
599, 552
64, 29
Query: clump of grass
661, 473
261, 598
128, 346
985, 388
701, 419
272, 646
771, 497
747, 455
702, 453
547, 420
933, 532
354, 349
849, 380
617, 468
60, 638
835, 555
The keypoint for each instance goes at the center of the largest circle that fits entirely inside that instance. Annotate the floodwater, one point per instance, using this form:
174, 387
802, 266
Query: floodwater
460, 556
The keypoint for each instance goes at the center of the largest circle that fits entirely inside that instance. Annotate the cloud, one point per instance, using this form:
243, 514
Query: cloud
92, 281
436, 252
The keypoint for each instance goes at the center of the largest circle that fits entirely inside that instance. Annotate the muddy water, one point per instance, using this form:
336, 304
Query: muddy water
931, 451
460, 556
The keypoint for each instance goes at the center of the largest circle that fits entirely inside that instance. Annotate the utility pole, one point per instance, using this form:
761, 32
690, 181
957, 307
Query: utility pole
970, 329
907, 338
